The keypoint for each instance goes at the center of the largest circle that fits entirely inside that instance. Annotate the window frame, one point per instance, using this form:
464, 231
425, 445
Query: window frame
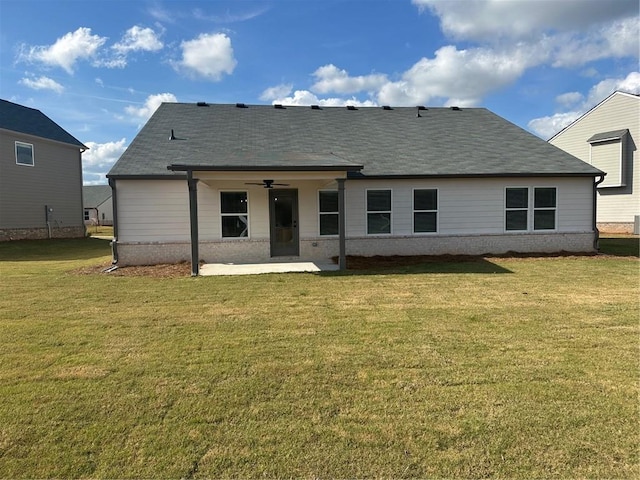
33, 154
414, 211
535, 209
517, 209
321, 213
234, 214
531, 209
367, 211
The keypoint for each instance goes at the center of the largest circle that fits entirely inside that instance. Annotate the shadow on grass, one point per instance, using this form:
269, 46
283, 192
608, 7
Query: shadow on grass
620, 246
418, 264
55, 249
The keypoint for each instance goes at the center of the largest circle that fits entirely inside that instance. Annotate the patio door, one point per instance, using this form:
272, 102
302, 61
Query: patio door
283, 219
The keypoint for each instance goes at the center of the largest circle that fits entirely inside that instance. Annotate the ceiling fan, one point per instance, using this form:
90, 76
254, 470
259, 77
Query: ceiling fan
268, 184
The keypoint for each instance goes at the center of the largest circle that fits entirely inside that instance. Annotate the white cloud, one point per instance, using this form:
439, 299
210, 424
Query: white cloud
305, 97
150, 105
208, 56
99, 159
548, 126
615, 40
66, 51
487, 20
330, 78
461, 77
569, 99
138, 39
42, 83
279, 91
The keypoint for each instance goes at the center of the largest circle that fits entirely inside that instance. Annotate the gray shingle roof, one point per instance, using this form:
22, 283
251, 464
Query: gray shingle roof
94, 195
385, 142
30, 121
604, 136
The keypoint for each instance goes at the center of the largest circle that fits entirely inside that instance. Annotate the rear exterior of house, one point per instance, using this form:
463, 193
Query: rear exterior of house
238, 184
40, 177
98, 206
608, 137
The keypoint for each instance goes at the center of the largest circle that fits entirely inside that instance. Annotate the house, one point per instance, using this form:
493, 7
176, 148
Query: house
98, 207
252, 184
608, 137
40, 176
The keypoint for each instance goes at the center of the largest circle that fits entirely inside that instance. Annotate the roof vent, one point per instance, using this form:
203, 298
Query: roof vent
202, 104
172, 135
315, 107
241, 105
279, 106
351, 107
421, 107
455, 108
386, 107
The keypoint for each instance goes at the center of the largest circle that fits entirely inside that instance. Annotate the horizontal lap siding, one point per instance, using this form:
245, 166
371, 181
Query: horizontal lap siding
470, 206
55, 179
152, 210
156, 211
619, 204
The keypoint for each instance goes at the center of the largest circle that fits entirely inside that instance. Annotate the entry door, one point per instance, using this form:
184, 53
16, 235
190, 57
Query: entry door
283, 215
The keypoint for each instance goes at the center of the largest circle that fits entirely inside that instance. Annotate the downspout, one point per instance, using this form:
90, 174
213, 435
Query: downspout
193, 221
596, 238
342, 257
114, 203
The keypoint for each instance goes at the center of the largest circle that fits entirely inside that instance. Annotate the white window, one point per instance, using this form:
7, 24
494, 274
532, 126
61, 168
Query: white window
378, 212
425, 210
520, 209
328, 212
234, 214
24, 154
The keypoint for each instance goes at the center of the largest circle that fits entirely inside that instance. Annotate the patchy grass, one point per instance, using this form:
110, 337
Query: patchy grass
100, 230
620, 245
502, 367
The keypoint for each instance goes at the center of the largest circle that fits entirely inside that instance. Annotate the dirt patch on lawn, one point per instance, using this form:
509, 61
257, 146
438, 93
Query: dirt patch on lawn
158, 271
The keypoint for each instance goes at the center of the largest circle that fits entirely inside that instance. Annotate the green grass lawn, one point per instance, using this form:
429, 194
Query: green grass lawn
512, 368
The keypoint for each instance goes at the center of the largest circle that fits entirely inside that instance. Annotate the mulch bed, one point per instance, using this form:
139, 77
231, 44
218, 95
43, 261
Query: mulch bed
183, 269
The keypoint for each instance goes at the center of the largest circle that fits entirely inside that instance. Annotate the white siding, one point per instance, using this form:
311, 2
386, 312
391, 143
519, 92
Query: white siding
618, 112
470, 219
152, 210
607, 157
471, 206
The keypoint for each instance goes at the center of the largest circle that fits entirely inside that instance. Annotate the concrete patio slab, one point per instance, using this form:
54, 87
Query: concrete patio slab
257, 268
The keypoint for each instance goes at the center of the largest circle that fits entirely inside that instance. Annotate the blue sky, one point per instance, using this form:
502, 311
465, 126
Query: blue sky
100, 68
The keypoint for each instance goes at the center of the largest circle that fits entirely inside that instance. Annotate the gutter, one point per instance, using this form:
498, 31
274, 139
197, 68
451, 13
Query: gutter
114, 241
596, 238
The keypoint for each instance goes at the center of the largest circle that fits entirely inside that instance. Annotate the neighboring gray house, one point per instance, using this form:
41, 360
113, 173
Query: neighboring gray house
98, 207
40, 176
608, 137
247, 184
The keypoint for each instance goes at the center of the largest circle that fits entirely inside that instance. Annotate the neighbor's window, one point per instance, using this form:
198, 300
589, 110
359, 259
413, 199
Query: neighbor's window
517, 209
328, 211
425, 210
234, 214
87, 215
24, 154
544, 208
378, 211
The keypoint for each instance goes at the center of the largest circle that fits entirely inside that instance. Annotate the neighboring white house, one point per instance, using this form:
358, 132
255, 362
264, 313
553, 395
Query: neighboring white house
242, 184
608, 137
98, 207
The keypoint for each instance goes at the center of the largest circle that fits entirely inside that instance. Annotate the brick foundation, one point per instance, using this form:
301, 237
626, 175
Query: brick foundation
9, 234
